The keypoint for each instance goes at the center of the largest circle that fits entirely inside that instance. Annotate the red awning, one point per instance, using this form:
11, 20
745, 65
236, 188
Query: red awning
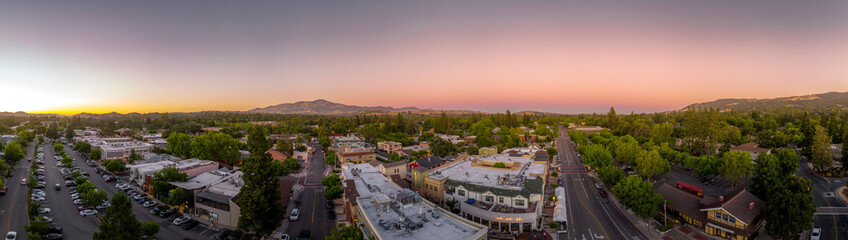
689, 187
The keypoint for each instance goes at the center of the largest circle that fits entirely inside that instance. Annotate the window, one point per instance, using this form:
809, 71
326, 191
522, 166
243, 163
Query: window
519, 202
461, 192
500, 199
490, 198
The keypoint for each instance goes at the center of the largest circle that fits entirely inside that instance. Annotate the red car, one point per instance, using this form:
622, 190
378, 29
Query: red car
80, 208
3, 190
109, 179
602, 193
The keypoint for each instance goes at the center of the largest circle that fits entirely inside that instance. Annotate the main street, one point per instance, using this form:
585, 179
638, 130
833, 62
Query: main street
824, 195
589, 215
313, 210
13, 206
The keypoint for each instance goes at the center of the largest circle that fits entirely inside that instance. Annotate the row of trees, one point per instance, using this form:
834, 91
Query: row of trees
215, 146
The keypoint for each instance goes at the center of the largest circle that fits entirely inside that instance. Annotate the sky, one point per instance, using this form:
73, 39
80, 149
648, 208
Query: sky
557, 56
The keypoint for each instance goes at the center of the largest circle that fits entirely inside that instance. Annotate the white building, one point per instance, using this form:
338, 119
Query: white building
387, 211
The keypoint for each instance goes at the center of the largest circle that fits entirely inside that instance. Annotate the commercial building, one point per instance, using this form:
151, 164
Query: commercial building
357, 156
387, 211
389, 146
216, 203
349, 141
504, 192
140, 174
119, 150
737, 216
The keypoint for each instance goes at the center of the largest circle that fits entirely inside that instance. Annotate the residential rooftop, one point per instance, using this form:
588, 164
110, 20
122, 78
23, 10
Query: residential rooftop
478, 171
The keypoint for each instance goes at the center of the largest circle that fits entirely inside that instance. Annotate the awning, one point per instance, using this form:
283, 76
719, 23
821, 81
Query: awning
560, 213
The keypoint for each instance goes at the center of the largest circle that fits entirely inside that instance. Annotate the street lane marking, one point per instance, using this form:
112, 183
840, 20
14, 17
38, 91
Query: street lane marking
314, 192
590, 213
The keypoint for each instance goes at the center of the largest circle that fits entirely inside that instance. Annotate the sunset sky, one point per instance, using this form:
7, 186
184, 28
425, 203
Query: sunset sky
558, 56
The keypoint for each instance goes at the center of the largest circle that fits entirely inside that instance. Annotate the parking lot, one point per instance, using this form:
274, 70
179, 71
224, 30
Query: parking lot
717, 187
66, 215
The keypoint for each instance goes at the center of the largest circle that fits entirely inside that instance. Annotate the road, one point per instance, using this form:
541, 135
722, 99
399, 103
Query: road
313, 210
13, 205
76, 229
824, 195
589, 215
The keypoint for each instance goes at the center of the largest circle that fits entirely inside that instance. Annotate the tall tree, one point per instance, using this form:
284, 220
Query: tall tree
179, 144
787, 160
808, 130
95, 153
638, 195
662, 133
767, 174
443, 124
845, 142
69, 132
261, 210
177, 197
441, 147
345, 233
217, 147
119, 222
53, 131
612, 119
736, 165
627, 151
161, 180
790, 208
821, 157
650, 163
13, 153
257, 140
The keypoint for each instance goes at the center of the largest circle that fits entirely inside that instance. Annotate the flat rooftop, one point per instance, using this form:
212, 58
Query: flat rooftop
470, 171
398, 213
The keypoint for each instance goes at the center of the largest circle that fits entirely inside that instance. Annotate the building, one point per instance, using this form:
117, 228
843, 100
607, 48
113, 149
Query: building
140, 174
356, 156
216, 203
386, 211
587, 129
738, 216
504, 192
198, 183
389, 146
349, 141
120, 150
488, 151
427, 162
392, 168
752, 148
301, 156
277, 155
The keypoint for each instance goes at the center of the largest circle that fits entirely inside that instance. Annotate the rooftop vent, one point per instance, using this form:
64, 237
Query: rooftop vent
751, 205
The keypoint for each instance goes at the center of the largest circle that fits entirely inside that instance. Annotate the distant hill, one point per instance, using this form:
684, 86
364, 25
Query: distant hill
324, 107
823, 101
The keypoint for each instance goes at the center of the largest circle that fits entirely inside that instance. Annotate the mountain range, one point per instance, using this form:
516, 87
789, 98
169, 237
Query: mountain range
813, 102
324, 107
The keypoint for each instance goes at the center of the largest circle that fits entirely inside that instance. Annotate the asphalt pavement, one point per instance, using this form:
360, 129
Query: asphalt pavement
313, 210
13, 205
824, 195
590, 216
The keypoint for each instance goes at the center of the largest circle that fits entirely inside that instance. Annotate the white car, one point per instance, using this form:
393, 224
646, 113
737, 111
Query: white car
43, 210
816, 234
12, 235
38, 199
48, 219
77, 201
284, 237
180, 220
149, 204
294, 214
88, 212
39, 194
23, 181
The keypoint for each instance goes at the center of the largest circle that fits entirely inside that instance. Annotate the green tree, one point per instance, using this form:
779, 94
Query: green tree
766, 175
332, 186
820, 154
651, 164
808, 130
790, 208
324, 141
345, 233
552, 151
736, 165
285, 147
69, 133
261, 211
119, 222
82, 147
53, 131
787, 160
179, 144
257, 140
134, 156
115, 165
578, 137
442, 124
441, 147
612, 119
67, 161
39, 226
13, 153
95, 154
610, 175
662, 133
57, 147
330, 157
627, 152
638, 195
149, 229
595, 155
94, 197
845, 143
472, 150
217, 147
161, 180
177, 197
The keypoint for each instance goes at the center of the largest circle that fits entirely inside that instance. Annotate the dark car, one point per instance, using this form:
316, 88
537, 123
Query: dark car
304, 235
235, 235
602, 193
331, 214
53, 228
156, 210
190, 224
706, 180
330, 205
221, 235
172, 217
52, 236
70, 183
166, 213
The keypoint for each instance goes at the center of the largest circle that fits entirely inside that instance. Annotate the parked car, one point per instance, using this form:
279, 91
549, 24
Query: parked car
149, 204
304, 235
599, 185
295, 213
166, 213
77, 201
157, 209
190, 224
11, 235
331, 214
180, 220
285, 237
173, 217
37, 199
43, 210
221, 235
235, 235
88, 212
330, 205
602, 193
53, 228
815, 234
52, 236
110, 179
3, 190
